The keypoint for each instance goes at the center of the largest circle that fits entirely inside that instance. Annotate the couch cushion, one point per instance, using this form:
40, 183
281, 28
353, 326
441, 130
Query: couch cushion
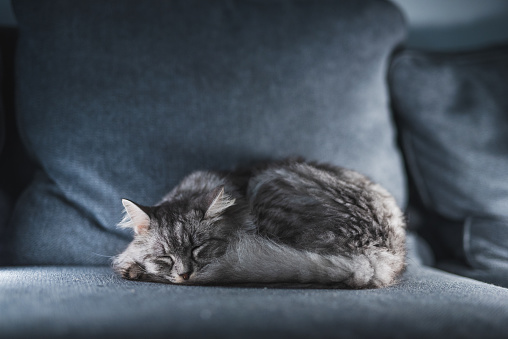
5, 203
122, 99
453, 112
91, 302
15, 167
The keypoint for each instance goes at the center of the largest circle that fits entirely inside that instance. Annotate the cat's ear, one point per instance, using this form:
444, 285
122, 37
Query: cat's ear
136, 217
217, 202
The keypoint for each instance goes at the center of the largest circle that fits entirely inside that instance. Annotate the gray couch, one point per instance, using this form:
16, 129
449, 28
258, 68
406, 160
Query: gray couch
121, 99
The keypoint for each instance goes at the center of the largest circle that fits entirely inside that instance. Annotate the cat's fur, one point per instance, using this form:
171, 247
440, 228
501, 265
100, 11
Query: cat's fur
289, 222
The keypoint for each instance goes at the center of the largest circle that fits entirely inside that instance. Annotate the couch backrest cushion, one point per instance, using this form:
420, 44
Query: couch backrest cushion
123, 98
453, 112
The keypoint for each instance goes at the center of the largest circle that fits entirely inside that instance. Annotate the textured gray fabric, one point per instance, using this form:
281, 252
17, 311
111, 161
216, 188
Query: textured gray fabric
453, 112
485, 242
90, 302
418, 251
123, 98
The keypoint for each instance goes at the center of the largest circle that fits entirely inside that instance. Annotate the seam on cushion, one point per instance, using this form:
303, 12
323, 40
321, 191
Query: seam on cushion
467, 237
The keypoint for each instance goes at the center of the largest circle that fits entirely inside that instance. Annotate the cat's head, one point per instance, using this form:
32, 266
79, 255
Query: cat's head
175, 240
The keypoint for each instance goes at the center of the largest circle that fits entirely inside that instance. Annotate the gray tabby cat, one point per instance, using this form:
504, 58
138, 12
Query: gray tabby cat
290, 222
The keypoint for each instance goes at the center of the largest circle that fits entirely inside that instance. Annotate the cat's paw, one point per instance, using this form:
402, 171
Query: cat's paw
133, 272
128, 270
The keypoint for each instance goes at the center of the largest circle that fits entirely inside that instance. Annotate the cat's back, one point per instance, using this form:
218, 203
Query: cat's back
199, 183
323, 208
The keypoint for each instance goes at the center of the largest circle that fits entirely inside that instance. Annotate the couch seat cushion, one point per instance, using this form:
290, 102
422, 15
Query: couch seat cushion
85, 302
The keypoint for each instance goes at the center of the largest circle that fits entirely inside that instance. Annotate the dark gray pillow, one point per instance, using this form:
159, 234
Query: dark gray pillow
123, 98
453, 113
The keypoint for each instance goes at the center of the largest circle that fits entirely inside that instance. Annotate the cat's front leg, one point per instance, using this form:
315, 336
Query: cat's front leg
127, 267
133, 271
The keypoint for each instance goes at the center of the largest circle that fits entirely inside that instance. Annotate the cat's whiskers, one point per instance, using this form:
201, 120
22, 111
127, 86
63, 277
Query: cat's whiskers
103, 255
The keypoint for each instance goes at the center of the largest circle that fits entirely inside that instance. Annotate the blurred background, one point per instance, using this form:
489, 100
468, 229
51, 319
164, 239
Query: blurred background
450, 25
439, 25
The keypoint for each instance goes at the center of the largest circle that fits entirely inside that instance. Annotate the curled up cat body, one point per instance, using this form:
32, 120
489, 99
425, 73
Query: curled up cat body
290, 223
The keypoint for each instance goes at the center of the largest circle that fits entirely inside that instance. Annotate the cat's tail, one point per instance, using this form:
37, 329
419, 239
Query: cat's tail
253, 259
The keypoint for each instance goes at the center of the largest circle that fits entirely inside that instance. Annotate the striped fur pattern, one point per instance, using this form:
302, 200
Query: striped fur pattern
289, 222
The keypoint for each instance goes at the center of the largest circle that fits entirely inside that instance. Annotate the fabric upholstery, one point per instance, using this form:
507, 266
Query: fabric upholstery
85, 302
121, 99
5, 201
15, 167
453, 112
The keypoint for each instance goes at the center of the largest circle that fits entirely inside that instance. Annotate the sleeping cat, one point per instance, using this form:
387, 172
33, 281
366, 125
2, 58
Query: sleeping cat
288, 222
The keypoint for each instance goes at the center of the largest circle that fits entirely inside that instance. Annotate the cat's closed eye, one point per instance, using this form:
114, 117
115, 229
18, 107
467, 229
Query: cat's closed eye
165, 261
198, 251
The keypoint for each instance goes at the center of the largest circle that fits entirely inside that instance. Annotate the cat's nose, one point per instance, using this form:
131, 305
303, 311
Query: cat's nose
185, 276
